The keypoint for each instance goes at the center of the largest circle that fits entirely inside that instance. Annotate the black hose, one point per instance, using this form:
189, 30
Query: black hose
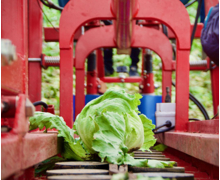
216, 115
52, 5
164, 29
37, 103
165, 130
194, 119
196, 20
199, 105
190, 3
167, 124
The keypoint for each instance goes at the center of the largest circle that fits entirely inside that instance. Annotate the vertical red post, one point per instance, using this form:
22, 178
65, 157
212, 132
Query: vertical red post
35, 22
91, 74
100, 63
66, 86
215, 88
182, 90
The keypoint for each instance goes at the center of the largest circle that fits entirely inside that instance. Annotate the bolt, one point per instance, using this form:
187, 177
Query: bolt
148, 84
141, 86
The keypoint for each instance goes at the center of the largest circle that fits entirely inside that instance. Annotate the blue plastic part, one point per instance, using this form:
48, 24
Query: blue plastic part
148, 106
88, 98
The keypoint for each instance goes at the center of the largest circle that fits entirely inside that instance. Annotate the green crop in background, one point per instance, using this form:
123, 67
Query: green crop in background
200, 84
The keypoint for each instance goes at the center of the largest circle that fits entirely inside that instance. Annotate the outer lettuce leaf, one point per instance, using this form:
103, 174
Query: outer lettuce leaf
160, 147
72, 148
149, 139
109, 139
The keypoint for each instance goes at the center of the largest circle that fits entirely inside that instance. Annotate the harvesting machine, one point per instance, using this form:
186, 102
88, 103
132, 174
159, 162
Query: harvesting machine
147, 24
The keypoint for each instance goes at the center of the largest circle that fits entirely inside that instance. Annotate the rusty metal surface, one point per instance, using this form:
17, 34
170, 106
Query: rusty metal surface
199, 145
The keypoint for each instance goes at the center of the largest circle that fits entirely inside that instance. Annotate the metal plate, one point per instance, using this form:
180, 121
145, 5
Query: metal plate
81, 165
153, 158
146, 169
80, 177
148, 155
177, 176
77, 172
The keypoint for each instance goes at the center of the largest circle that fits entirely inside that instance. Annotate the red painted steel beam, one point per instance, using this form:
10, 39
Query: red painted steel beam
199, 145
14, 77
35, 23
52, 35
21, 153
104, 37
174, 16
215, 88
197, 33
121, 80
209, 127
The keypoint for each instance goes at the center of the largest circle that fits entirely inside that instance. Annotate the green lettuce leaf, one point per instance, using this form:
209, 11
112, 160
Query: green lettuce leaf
72, 148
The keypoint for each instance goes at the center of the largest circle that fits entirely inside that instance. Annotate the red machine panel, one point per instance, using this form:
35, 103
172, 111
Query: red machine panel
14, 28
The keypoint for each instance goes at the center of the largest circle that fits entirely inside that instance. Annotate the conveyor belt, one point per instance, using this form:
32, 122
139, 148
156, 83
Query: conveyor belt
97, 170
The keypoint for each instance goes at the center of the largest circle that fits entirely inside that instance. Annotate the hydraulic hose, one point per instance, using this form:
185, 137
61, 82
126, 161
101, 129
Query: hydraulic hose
37, 103
165, 130
196, 20
199, 105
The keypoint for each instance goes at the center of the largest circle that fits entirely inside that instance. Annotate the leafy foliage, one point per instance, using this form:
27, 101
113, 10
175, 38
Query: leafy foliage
109, 129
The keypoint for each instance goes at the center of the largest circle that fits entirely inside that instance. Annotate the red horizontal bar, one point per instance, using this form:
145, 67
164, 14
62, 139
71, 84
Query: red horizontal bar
199, 145
52, 35
20, 153
121, 80
206, 126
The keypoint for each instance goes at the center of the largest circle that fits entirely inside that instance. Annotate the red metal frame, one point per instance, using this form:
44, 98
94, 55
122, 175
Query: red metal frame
35, 23
104, 37
14, 77
149, 10
215, 88
92, 9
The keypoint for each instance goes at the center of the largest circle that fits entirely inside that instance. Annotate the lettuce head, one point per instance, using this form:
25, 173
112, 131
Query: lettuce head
110, 127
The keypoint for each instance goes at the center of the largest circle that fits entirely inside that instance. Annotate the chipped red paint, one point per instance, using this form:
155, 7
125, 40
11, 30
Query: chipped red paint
210, 126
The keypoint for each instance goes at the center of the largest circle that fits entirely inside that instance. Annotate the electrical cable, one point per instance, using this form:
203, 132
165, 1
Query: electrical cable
190, 3
196, 20
199, 105
164, 29
167, 124
216, 115
165, 130
194, 119
47, 17
37, 103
